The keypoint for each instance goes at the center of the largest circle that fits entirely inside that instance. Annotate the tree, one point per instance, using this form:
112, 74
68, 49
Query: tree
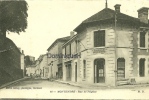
13, 16
28, 61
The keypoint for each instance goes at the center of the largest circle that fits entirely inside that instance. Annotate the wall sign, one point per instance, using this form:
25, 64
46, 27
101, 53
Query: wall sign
98, 50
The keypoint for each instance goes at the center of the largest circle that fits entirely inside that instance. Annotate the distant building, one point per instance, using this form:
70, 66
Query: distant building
23, 62
30, 70
28, 61
42, 66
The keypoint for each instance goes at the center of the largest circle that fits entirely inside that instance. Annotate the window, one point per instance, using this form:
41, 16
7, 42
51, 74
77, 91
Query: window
99, 38
142, 39
84, 68
65, 50
76, 46
68, 49
142, 67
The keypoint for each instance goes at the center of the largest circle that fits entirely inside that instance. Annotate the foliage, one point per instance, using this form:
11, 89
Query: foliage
13, 16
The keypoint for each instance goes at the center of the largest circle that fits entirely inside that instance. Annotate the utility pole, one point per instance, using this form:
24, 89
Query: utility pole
115, 28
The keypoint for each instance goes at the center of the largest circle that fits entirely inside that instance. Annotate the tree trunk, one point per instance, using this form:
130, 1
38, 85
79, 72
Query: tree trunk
2, 36
3, 32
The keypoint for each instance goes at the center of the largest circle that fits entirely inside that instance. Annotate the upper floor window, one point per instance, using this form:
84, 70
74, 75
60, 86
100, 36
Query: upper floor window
68, 49
76, 46
99, 38
142, 39
65, 50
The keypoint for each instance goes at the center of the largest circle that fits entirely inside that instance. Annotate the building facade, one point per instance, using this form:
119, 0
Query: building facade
43, 65
54, 59
22, 57
70, 61
30, 70
28, 61
40, 66
113, 49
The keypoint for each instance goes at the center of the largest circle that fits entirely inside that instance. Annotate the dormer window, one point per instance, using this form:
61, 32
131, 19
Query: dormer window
99, 38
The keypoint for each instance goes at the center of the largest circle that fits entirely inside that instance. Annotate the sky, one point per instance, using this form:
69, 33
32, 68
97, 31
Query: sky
52, 19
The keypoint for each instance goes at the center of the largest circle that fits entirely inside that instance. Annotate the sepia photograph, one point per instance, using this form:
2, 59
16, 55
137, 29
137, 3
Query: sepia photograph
74, 49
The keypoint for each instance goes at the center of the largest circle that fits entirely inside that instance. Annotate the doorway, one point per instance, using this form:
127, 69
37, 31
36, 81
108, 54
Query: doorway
99, 71
120, 68
76, 72
68, 72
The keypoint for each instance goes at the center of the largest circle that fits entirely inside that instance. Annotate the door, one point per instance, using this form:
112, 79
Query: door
76, 71
142, 67
100, 71
120, 68
69, 71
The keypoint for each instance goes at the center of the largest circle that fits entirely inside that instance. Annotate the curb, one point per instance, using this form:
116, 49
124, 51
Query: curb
102, 87
68, 83
13, 82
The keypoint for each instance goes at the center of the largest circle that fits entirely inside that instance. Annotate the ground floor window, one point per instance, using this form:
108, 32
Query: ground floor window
142, 67
120, 68
84, 69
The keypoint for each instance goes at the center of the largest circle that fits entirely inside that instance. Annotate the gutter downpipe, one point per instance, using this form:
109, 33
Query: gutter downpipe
115, 28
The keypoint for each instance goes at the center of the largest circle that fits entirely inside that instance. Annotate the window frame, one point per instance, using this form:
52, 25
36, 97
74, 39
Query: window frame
76, 45
140, 40
146, 40
84, 69
103, 43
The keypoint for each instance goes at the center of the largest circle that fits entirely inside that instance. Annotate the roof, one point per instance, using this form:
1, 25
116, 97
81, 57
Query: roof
64, 39
105, 14
69, 40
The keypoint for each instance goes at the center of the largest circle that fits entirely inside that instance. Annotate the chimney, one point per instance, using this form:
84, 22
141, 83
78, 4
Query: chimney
117, 8
72, 33
143, 14
22, 51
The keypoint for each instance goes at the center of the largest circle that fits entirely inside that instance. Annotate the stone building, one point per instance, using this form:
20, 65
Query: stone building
54, 61
40, 65
113, 49
43, 65
30, 70
70, 61
28, 61
22, 57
